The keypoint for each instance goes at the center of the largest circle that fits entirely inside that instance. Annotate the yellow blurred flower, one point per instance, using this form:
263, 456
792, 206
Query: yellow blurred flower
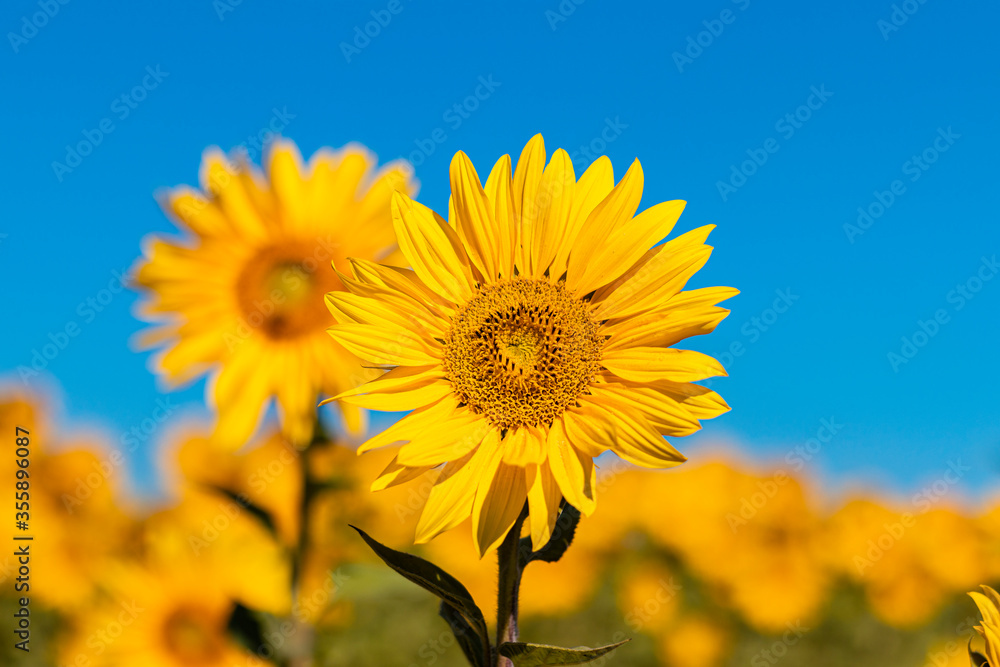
167, 615
754, 539
909, 564
534, 332
649, 596
267, 474
989, 606
240, 294
695, 641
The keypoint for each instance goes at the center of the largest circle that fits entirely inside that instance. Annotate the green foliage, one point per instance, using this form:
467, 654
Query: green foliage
539, 655
432, 578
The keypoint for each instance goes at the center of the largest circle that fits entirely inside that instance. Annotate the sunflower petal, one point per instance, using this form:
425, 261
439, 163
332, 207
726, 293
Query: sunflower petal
449, 439
544, 497
395, 474
474, 217
499, 191
500, 498
527, 176
647, 364
585, 268
393, 347
432, 248
451, 498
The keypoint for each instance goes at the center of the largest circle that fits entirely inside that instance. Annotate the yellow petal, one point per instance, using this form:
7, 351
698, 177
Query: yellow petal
499, 191
285, 172
544, 497
448, 440
395, 474
523, 446
474, 217
663, 413
450, 500
614, 211
527, 176
648, 364
572, 471
412, 424
383, 346
638, 442
594, 185
553, 201
660, 274
500, 498
432, 248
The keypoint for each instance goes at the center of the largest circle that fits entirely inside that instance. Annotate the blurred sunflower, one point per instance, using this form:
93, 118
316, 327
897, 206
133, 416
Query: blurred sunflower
533, 333
989, 606
239, 296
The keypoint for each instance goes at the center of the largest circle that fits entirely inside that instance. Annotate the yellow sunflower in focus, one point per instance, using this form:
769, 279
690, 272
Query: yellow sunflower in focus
989, 606
240, 294
534, 332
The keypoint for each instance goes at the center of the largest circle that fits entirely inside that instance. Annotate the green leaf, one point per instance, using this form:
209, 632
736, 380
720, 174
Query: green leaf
538, 655
562, 537
257, 512
471, 643
244, 625
430, 577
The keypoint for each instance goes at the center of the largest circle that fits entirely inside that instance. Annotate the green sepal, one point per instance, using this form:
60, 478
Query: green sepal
562, 536
539, 655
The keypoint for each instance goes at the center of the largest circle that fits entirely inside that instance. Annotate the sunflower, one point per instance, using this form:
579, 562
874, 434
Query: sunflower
989, 606
533, 333
239, 295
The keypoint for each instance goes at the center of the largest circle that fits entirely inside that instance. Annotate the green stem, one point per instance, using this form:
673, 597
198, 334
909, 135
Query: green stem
508, 586
302, 634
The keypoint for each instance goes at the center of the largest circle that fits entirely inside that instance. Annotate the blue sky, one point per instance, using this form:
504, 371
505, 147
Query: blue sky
776, 121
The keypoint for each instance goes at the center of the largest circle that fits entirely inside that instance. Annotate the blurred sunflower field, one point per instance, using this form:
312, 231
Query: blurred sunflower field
720, 562
410, 334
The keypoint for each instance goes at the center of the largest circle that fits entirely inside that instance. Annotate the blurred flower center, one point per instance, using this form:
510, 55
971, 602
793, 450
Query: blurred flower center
521, 351
280, 291
191, 635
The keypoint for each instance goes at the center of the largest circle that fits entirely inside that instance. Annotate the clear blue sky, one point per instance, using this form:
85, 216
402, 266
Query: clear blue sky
693, 89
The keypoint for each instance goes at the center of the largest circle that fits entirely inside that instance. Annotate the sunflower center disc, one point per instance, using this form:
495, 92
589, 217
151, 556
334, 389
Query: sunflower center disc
280, 291
521, 352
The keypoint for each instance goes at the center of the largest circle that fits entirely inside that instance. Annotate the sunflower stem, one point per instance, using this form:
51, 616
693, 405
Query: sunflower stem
301, 650
508, 586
